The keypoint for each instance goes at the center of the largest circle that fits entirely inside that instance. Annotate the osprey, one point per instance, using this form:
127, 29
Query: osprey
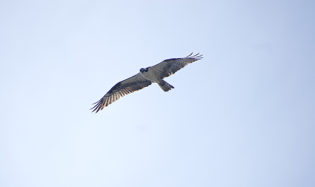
144, 78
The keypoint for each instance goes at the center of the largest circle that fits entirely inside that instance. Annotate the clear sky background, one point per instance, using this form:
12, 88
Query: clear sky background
242, 116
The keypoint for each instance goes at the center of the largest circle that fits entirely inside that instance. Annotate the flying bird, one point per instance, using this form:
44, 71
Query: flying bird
146, 76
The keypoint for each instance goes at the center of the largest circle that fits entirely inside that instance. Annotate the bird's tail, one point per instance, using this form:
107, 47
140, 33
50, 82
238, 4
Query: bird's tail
165, 86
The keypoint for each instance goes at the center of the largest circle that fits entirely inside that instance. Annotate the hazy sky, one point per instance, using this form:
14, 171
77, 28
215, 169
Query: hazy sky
243, 116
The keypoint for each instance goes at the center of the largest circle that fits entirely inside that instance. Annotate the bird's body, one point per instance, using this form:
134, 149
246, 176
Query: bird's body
151, 75
144, 78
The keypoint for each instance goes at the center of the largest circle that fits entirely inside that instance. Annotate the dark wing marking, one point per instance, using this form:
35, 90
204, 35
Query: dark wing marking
121, 89
170, 66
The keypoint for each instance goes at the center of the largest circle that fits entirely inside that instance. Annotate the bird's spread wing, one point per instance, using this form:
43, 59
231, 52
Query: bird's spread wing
170, 66
121, 89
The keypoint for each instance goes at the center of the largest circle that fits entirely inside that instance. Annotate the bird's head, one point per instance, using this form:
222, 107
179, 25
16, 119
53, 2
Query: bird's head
144, 70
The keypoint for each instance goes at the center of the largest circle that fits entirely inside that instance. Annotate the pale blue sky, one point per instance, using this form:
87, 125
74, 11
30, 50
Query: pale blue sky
243, 116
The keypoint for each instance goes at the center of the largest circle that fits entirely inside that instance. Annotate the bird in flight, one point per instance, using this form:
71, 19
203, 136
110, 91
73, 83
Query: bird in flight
146, 76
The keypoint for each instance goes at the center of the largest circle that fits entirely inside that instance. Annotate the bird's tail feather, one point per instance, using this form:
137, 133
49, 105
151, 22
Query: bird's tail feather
165, 86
